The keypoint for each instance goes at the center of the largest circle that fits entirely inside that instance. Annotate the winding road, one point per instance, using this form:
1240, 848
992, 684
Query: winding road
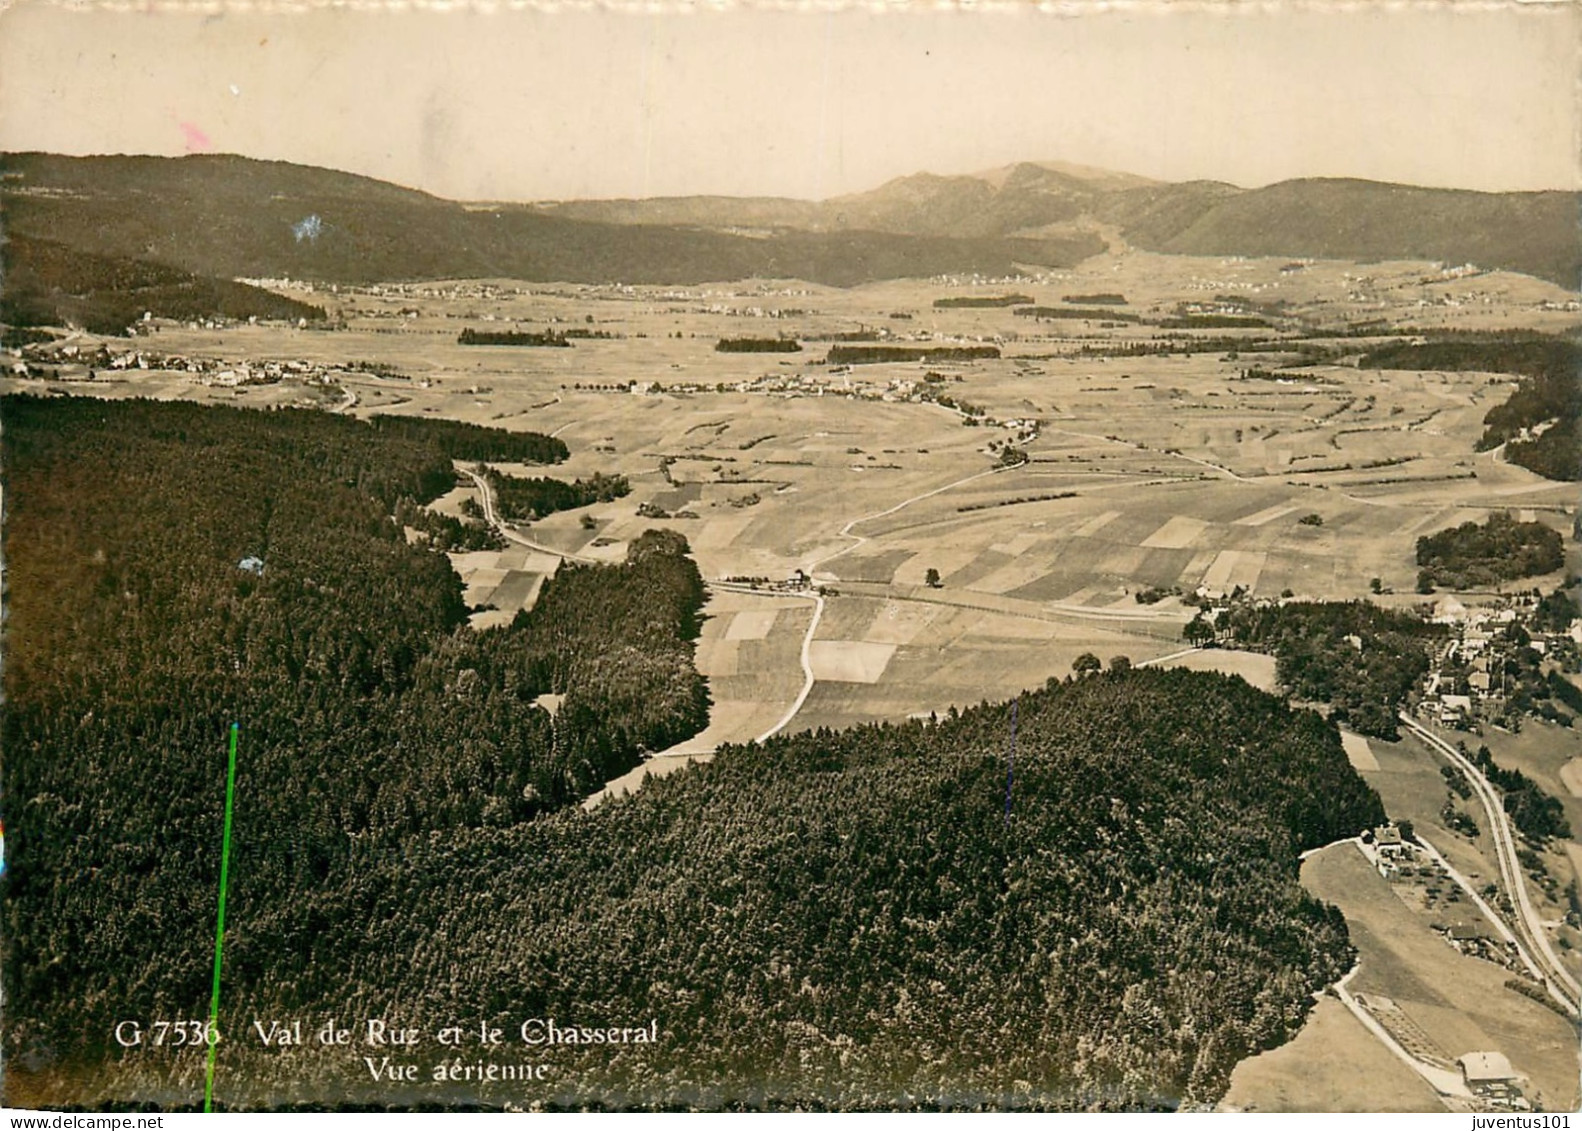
508, 533
665, 762
861, 540
1557, 980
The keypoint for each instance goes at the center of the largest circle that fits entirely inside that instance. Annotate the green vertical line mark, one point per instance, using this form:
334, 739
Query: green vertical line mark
219, 925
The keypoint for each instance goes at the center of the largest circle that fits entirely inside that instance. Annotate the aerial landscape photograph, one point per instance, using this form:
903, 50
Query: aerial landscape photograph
666, 558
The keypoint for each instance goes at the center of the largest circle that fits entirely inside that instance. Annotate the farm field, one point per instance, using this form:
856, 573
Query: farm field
1410, 785
951, 573
1167, 472
1333, 1064
1254, 667
1460, 1003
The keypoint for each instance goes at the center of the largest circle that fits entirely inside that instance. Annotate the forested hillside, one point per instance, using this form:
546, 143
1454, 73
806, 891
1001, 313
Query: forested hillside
228, 217
173, 568
51, 284
829, 920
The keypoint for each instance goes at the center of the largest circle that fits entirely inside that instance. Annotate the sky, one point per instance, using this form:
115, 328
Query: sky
539, 104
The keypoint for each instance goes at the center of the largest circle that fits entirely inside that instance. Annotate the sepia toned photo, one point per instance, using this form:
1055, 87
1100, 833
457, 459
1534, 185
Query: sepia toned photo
791, 558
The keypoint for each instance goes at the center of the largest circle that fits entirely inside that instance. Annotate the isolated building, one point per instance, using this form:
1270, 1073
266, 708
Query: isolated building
1485, 1069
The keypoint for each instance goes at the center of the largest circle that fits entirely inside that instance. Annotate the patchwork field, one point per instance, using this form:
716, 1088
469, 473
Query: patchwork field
976, 526
1171, 471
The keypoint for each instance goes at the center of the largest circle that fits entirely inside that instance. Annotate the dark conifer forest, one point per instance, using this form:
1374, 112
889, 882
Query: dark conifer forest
827, 920
518, 498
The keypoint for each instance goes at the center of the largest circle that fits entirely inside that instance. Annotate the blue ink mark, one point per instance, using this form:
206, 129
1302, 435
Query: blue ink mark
1010, 768
308, 228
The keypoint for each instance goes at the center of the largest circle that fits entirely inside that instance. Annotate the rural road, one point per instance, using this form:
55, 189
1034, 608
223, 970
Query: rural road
663, 762
506, 532
861, 540
666, 762
1527, 921
1444, 1082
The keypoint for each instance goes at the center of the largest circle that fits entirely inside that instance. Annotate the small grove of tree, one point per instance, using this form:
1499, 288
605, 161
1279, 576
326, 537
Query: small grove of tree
1318, 657
1502, 549
970, 301
518, 498
445, 532
757, 345
552, 338
931, 578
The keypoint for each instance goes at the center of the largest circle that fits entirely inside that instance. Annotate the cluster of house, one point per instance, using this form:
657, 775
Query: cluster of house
1227, 309
976, 280
797, 581
458, 290
753, 311
1479, 647
32, 360
1197, 283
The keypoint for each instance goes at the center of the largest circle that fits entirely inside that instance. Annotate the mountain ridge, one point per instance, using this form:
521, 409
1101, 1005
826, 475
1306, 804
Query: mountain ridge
232, 216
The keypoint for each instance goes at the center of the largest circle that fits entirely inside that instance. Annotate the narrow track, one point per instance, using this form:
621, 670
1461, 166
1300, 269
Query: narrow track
1526, 921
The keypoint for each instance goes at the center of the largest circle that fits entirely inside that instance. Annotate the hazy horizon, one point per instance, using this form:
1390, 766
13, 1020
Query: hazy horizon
526, 106
755, 196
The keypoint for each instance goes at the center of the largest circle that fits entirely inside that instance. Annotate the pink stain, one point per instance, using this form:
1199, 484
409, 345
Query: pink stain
197, 140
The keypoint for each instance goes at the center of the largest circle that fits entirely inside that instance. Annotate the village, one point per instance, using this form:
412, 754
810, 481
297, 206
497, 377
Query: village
1500, 663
